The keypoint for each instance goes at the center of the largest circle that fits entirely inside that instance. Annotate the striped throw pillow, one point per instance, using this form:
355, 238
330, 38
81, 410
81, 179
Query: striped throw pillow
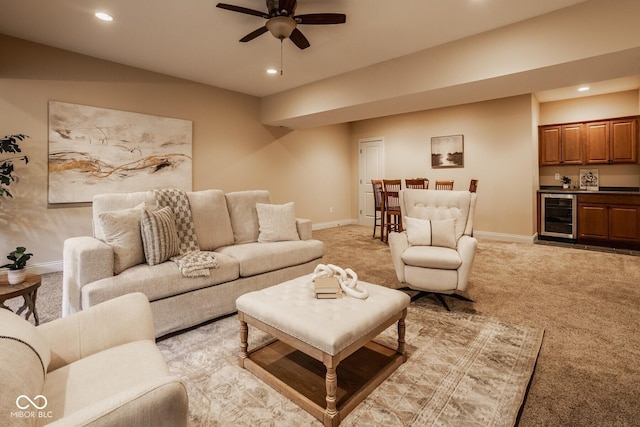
159, 236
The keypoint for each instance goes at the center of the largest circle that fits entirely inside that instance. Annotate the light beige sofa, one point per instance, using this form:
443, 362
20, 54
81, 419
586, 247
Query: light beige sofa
99, 367
227, 224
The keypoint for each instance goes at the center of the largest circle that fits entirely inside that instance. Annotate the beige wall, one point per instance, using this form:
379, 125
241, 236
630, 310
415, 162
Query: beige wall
316, 167
231, 149
497, 151
592, 108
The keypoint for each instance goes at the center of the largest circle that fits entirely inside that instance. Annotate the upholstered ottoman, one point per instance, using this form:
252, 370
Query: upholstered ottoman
312, 336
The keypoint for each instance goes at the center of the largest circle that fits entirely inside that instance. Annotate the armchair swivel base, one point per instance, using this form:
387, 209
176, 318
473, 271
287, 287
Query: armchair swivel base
439, 297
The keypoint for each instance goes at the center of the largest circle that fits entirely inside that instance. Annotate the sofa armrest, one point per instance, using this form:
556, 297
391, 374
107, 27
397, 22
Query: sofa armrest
304, 228
398, 243
467, 249
161, 402
118, 321
85, 260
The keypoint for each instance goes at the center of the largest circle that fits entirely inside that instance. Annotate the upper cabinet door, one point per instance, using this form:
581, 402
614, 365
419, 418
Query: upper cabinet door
597, 142
571, 143
550, 145
624, 141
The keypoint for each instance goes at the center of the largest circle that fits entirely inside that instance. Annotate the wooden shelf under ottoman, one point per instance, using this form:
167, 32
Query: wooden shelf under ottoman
322, 356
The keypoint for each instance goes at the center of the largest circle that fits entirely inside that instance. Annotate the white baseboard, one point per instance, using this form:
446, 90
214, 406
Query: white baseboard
503, 237
45, 267
334, 224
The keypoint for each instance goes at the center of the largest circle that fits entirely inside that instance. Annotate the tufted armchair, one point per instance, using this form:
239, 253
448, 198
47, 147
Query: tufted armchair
435, 252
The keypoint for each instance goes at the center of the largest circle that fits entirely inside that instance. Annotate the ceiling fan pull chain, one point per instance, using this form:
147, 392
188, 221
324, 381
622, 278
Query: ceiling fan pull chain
281, 72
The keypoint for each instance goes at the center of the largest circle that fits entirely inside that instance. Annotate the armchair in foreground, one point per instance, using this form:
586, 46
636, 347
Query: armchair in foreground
98, 367
435, 252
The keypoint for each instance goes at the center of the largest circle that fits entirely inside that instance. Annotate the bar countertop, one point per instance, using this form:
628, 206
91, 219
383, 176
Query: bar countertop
634, 191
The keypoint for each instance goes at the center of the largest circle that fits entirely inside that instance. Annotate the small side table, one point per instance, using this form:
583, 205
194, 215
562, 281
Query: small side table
28, 289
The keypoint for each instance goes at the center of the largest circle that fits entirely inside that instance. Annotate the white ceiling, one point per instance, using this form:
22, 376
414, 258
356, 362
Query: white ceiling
194, 40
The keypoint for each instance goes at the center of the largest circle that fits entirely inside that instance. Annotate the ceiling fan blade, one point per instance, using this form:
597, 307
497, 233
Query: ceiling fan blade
321, 18
241, 9
299, 39
252, 35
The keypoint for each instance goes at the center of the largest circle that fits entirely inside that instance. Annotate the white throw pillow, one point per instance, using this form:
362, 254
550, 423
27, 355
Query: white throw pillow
424, 232
121, 230
159, 236
277, 222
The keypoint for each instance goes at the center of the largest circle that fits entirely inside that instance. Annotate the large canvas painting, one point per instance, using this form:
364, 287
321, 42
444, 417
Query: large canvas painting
98, 150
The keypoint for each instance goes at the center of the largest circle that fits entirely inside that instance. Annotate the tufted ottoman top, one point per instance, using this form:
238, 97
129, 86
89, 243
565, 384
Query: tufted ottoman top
329, 325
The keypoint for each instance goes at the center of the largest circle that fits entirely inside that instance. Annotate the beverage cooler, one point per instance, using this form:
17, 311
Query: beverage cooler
558, 215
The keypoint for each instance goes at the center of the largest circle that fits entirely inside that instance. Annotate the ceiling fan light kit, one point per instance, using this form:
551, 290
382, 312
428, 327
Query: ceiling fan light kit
281, 27
282, 22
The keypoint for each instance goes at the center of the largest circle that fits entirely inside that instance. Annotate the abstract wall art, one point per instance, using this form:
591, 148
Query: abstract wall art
98, 150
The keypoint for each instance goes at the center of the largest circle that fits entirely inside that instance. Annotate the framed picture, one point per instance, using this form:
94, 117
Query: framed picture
447, 151
589, 179
96, 150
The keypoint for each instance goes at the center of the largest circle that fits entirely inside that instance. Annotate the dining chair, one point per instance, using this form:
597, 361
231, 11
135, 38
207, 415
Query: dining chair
417, 183
444, 185
393, 216
473, 186
378, 212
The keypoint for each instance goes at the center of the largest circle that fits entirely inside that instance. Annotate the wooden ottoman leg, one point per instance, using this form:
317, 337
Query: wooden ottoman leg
401, 332
244, 337
331, 415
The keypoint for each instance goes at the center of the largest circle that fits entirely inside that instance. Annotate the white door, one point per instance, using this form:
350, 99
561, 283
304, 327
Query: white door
371, 167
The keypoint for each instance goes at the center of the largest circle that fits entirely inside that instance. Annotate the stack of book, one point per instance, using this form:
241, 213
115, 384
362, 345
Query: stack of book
327, 287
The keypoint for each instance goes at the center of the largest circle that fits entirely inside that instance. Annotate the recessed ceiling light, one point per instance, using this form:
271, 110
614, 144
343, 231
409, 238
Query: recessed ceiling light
583, 88
104, 16
272, 71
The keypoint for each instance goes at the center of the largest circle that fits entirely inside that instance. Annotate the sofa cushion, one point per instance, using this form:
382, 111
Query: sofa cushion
208, 210
277, 222
210, 219
424, 232
432, 257
256, 258
102, 376
159, 235
24, 360
115, 202
157, 281
243, 213
121, 231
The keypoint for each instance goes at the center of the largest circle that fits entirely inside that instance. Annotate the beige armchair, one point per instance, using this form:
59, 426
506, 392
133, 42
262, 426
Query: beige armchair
435, 252
98, 367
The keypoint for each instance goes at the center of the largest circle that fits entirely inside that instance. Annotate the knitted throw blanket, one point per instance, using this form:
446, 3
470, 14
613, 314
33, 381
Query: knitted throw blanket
192, 262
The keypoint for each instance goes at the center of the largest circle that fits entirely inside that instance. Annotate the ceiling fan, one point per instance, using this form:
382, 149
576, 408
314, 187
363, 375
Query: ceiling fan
282, 21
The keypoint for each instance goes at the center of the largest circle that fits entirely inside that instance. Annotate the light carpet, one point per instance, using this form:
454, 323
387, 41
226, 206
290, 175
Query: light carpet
462, 369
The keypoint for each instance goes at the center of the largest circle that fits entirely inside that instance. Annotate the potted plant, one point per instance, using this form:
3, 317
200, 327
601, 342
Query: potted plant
17, 271
10, 144
566, 181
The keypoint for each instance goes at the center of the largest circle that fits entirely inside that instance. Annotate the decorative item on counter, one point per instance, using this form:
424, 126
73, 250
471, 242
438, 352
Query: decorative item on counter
589, 179
566, 181
17, 271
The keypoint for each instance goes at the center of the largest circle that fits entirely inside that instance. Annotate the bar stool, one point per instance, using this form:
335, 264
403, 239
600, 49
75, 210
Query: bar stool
393, 216
444, 185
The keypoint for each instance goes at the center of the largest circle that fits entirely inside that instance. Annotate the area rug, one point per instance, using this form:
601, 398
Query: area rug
462, 369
